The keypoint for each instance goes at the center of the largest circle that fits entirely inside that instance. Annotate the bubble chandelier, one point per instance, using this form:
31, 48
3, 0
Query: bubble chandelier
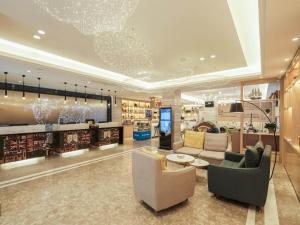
91, 16
123, 51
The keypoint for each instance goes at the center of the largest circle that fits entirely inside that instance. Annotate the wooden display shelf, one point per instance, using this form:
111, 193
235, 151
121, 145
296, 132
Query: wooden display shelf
290, 115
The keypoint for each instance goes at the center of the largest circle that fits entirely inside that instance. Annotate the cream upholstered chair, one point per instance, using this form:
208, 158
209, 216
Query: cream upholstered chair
160, 189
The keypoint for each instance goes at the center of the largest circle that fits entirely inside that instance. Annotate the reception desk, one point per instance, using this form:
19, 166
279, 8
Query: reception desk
25, 142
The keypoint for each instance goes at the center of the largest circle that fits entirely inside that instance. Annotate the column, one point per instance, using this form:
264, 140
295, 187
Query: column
173, 99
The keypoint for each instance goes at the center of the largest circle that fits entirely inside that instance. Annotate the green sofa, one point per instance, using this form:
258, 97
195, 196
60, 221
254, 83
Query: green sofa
248, 185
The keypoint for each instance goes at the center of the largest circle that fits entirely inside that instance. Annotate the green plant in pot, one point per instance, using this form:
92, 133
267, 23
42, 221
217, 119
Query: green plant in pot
271, 127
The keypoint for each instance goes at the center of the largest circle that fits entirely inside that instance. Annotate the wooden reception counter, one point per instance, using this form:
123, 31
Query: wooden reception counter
25, 142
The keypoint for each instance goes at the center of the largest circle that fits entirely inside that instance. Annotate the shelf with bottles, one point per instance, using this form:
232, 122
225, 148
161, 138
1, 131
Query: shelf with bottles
134, 110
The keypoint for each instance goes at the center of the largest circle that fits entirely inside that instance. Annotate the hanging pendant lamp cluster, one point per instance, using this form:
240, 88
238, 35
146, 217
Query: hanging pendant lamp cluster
5, 85
85, 102
101, 97
115, 99
39, 91
65, 83
23, 87
75, 93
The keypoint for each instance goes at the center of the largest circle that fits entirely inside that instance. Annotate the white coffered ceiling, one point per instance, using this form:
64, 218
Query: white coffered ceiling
160, 46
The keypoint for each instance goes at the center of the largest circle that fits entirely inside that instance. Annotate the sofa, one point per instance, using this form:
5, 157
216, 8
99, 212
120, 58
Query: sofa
231, 179
208, 146
159, 187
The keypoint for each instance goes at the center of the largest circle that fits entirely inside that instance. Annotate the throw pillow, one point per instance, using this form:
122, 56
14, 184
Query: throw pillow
162, 158
216, 142
260, 147
252, 158
241, 163
193, 139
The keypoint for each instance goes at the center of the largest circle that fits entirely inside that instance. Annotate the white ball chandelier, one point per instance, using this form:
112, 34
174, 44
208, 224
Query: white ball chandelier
124, 51
91, 16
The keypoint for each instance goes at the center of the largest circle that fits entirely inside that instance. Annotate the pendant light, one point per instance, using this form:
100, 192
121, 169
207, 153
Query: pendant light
39, 91
65, 83
75, 93
23, 87
85, 102
101, 96
5, 85
116, 99
109, 96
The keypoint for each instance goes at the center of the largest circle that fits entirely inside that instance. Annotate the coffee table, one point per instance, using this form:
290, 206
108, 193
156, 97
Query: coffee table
180, 159
200, 163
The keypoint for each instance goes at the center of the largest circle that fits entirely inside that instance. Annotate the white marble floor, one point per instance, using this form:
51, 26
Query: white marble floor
101, 192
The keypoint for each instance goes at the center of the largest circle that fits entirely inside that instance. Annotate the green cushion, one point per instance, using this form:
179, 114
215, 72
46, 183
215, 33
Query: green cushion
241, 164
260, 147
252, 158
229, 164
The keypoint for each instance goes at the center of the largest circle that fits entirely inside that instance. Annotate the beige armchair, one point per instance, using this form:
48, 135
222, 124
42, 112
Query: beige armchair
160, 189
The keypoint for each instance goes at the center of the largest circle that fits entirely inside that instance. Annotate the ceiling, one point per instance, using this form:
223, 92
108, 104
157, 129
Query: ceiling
168, 38
280, 27
175, 39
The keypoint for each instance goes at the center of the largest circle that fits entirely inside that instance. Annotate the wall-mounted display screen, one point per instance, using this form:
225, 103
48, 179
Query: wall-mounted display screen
49, 109
209, 104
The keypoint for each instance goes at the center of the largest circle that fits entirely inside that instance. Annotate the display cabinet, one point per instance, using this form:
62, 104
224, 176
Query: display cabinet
290, 134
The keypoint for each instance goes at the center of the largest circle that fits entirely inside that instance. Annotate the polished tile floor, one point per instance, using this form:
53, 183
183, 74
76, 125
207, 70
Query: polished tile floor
101, 193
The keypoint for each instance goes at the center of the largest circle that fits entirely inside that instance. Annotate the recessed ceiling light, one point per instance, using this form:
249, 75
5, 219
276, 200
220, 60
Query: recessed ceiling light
295, 39
28, 71
41, 32
202, 59
220, 92
36, 37
281, 71
212, 56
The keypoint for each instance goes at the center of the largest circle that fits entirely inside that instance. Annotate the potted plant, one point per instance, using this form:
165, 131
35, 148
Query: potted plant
271, 127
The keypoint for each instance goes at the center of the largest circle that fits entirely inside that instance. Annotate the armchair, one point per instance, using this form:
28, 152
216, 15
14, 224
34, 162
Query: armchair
249, 185
160, 189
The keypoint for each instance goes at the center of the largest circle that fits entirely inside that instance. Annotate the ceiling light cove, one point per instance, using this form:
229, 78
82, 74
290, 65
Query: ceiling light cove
245, 17
22, 52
